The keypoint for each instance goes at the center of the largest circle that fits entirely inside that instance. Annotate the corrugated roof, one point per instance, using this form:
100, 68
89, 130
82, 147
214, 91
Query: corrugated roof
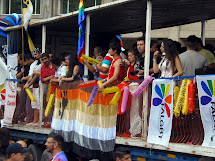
126, 16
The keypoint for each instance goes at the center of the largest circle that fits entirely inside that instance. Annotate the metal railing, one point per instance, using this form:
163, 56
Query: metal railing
185, 129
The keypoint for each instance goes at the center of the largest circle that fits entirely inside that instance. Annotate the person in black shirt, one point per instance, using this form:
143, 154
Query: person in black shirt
26, 64
141, 59
20, 111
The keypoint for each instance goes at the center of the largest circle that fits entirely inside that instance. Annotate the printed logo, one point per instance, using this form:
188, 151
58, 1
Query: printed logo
2, 92
208, 90
164, 99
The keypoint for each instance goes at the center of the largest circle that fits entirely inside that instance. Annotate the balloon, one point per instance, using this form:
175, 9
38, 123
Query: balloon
90, 60
124, 99
49, 92
88, 84
108, 90
142, 86
92, 96
176, 91
53, 88
126, 79
2, 86
30, 95
191, 97
3, 71
99, 83
185, 104
181, 98
122, 85
115, 98
49, 105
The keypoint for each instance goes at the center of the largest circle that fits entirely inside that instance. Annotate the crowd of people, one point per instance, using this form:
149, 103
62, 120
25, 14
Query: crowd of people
167, 59
19, 151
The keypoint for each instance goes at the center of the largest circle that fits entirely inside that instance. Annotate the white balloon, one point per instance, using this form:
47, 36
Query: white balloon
3, 72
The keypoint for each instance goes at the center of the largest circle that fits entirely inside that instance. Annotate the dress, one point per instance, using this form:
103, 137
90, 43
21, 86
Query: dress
111, 71
165, 68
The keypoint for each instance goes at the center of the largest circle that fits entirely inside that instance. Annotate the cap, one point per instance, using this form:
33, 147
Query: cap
15, 148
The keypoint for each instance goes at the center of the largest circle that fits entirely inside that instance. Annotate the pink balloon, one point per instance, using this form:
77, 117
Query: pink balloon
142, 86
124, 99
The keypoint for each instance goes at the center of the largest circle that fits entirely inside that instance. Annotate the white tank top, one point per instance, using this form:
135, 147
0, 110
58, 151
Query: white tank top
165, 68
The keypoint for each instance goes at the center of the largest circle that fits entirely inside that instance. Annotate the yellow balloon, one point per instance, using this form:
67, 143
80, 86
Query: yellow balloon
30, 95
90, 60
181, 98
49, 105
176, 91
49, 92
185, 104
2, 86
115, 98
108, 90
99, 83
126, 79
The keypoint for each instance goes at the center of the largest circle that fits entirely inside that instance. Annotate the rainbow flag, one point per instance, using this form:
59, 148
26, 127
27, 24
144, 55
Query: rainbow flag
81, 37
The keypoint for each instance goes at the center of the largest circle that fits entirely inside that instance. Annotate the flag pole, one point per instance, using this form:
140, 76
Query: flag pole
22, 37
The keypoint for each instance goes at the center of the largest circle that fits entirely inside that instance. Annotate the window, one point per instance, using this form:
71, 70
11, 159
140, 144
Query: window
14, 6
66, 6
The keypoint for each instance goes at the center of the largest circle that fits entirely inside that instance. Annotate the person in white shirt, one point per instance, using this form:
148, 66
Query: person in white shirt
33, 84
60, 70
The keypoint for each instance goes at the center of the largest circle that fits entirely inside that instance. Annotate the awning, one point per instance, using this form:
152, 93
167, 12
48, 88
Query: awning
126, 16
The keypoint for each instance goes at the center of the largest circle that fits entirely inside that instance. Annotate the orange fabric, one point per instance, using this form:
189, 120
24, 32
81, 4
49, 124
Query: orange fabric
73, 94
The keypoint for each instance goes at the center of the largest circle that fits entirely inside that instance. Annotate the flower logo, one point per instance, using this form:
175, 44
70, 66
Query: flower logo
209, 91
162, 93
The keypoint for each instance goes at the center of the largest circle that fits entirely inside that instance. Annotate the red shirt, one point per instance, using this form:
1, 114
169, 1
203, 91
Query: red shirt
111, 71
129, 70
46, 71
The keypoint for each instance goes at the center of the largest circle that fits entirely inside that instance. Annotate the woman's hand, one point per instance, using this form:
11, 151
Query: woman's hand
156, 54
126, 62
100, 88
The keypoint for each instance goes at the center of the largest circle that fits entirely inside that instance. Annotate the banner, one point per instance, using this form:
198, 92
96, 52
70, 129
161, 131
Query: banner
2, 94
3, 71
12, 65
10, 101
206, 93
160, 121
11, 89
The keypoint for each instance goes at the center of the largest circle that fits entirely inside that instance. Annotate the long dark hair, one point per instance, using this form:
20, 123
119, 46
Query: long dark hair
171, 51
73, 61
4, 139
